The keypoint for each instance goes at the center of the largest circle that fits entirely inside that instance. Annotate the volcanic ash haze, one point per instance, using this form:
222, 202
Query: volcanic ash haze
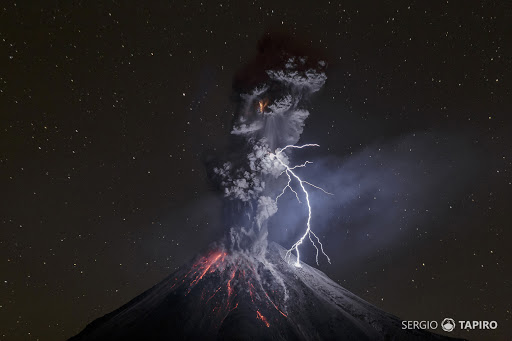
244, 288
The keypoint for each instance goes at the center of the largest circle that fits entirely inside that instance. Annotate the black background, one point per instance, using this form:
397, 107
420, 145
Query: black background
107, 109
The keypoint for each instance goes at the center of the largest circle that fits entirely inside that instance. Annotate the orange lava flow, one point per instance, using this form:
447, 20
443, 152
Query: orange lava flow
213, 294
230, 289
251, 288
224, 298
209, 263
261, 317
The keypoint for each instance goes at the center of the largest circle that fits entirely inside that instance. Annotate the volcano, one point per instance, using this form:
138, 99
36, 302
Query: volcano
246, 288
224, 295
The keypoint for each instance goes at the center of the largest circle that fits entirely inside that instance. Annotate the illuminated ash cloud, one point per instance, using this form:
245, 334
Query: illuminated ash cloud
281, 120
309, 79
267, 207
272, 93
238, 183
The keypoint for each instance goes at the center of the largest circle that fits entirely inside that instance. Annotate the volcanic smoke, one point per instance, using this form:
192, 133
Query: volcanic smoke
268, 124
245, 288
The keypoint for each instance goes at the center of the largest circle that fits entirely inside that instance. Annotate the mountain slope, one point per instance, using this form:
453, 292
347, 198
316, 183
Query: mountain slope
235, 296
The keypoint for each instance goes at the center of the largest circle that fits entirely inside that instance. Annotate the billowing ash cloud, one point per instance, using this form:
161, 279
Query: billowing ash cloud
282, 120
272, 92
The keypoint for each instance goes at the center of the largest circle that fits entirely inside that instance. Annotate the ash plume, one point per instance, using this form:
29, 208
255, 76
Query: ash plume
272, 93
244, 288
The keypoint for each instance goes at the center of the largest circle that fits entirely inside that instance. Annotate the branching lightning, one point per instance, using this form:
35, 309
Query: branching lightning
291, 175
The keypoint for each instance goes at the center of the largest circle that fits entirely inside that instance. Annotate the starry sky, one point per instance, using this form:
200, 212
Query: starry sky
109, 109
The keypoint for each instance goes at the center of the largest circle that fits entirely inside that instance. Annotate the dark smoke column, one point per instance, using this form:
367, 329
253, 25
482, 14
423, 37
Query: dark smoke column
272, 93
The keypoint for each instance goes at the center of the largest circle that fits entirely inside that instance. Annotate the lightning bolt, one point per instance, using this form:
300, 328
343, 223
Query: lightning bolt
291, 175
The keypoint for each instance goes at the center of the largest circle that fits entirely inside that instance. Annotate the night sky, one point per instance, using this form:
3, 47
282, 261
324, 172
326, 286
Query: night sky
108, 111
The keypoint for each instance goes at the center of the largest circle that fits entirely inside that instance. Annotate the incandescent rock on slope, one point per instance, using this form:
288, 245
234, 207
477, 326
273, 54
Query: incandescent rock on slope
238, 297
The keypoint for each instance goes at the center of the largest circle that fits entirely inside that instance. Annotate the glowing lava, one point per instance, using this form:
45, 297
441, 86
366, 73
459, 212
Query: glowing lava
262, 104
261, 317
207, 264
232, 276
291, 175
